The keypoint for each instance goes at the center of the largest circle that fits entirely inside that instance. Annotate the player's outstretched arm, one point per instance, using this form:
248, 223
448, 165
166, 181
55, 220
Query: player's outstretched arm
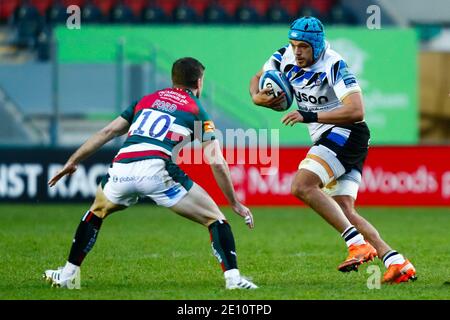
260, 98
221, 171
115, 128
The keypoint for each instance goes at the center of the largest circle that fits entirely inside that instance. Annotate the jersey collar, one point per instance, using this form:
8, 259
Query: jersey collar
187, 90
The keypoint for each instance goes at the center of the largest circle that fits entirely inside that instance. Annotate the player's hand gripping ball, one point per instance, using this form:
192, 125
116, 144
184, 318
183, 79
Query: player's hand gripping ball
278, 84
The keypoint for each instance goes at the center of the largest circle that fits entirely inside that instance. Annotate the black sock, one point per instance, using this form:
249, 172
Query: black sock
85, 237
222, 243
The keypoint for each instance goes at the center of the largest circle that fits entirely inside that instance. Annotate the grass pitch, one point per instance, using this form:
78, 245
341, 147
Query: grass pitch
148, 252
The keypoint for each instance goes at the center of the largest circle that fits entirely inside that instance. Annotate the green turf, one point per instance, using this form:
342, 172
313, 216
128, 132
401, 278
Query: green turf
149, 253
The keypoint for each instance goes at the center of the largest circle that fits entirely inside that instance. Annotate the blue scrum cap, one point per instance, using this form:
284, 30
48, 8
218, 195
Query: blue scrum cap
310, 30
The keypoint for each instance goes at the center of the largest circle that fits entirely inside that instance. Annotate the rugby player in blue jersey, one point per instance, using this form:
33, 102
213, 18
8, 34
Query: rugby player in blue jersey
329, 101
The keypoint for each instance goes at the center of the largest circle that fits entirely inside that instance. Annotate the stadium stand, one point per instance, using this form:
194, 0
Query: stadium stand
184, 13
28, 23
215, 13
153, 14
161, 11
26, 26
15, 128
338, 15
7, 9
33, 20
56, 14
90, 13
121, 13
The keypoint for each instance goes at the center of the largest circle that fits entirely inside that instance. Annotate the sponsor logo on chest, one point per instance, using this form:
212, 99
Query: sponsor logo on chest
313, 99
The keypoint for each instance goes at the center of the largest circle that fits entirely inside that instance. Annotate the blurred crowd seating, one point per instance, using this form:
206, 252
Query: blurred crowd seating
175, 11
34, 19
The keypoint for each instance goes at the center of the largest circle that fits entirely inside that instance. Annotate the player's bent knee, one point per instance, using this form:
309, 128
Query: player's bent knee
211, 221
302, 191
347, 205
213, 216
100, 210
348, 210
296, 191
305, 182
103, 208
100, 213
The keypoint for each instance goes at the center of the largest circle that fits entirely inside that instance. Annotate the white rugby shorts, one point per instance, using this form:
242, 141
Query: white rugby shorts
161, 181
324, 163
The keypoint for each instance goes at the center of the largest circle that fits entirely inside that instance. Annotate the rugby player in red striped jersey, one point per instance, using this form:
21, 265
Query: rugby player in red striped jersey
144, 167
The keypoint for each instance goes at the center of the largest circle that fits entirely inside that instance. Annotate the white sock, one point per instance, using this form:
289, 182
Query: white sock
231, 274
393, 257
352, 236
69, 269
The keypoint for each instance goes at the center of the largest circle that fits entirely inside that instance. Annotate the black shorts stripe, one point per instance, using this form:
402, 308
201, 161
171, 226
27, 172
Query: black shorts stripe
353, 152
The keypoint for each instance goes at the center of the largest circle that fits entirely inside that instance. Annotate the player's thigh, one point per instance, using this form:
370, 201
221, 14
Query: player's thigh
305, 179
320, 167
102, 207
116, 191
198, 206
345, 189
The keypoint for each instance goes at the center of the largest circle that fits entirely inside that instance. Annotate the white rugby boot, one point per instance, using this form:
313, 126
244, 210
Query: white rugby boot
233, 280
60, 280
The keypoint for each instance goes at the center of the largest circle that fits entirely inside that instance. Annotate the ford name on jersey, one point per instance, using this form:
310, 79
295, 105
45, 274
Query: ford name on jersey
319, 87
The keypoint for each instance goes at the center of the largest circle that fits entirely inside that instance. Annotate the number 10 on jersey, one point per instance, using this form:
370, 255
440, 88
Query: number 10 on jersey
152, 124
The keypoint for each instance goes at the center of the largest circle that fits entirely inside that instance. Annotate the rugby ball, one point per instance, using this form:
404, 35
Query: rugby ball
278, 82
